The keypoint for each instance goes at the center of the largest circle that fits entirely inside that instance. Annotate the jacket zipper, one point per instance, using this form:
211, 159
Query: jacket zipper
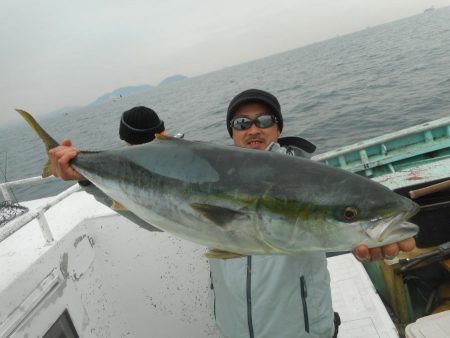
304, 294
249, 297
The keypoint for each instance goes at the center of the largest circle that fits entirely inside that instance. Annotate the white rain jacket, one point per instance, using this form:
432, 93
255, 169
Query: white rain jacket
272, 296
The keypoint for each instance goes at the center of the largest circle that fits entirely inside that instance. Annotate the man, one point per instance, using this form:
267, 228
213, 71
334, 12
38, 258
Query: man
274, 296
137, 126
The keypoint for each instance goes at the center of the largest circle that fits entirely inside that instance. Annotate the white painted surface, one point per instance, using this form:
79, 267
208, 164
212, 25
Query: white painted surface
118, 280
434, 326
361, 310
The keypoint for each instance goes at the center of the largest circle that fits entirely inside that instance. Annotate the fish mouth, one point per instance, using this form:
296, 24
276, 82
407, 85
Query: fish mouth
399, 231
393, 229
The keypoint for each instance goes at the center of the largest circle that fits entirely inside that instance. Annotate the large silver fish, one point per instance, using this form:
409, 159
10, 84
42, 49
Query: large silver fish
245, 201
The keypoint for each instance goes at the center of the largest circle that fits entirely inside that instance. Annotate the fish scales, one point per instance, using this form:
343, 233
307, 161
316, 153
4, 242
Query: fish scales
247, 201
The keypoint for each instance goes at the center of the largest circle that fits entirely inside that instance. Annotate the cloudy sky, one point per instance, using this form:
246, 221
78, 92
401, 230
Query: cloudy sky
57, 53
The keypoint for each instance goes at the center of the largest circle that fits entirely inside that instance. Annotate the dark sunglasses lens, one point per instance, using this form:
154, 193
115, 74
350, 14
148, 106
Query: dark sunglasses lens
241, 123
264, 121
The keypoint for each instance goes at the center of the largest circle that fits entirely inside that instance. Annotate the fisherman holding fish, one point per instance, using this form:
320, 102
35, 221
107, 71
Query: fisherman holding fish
275, 296
264, 296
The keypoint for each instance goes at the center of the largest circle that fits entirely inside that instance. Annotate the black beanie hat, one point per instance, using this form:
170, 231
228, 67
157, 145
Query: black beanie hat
139, 125
254, 96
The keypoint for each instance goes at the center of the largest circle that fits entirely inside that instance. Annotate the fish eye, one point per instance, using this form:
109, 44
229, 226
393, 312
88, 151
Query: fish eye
350, 214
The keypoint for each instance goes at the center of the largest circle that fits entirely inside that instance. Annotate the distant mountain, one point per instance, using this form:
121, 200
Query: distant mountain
121, 92
172, 79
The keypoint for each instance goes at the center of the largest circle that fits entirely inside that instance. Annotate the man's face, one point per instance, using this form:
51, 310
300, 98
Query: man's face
254, 137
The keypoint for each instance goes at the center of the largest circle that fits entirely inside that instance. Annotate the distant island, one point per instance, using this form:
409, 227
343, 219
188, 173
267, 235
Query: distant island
122, 92
172, 79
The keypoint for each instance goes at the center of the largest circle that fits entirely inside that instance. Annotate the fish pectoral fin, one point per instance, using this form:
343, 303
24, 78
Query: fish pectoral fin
219, 215
220, 254
117, 206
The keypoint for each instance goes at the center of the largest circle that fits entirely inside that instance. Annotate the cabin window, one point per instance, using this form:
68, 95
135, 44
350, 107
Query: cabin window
62, 328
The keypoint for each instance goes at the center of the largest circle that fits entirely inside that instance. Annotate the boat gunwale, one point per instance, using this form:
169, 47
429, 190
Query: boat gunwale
383, 139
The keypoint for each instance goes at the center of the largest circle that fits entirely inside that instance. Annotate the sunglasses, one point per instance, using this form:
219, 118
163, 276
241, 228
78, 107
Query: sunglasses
244, 123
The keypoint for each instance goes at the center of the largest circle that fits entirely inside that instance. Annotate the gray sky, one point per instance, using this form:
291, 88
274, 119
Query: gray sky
57, 53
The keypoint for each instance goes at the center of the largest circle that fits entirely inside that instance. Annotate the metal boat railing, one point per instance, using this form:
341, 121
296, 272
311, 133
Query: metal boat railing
4, 187
15, 224
415, 146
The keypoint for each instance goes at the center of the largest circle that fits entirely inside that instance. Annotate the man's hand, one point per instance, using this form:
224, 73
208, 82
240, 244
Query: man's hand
60, 157
364, 254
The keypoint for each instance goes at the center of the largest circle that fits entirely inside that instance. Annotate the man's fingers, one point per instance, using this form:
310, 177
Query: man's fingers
361, 252
390, 250
65, 158
60, 157
66, 142
376, 254
364, 254
65, 171
407, 244
54, 155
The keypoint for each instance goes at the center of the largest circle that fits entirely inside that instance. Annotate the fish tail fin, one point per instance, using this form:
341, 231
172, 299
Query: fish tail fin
48, 141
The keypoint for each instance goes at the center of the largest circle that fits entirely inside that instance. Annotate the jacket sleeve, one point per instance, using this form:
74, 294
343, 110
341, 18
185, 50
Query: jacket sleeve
101, 197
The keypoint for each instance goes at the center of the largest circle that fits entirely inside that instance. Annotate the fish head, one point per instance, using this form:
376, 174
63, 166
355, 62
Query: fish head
384, 222
337, 215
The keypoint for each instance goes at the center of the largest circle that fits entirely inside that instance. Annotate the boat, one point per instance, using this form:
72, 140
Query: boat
414, 162
72, 267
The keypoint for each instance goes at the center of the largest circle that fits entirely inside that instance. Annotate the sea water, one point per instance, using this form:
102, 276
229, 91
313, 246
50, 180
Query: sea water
333, 93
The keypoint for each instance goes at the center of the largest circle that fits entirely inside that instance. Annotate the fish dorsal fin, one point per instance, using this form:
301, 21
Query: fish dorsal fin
220, 254
219, 215
118, 206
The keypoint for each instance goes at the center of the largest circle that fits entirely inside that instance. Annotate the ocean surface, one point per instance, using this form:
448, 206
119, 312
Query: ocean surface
333, 93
